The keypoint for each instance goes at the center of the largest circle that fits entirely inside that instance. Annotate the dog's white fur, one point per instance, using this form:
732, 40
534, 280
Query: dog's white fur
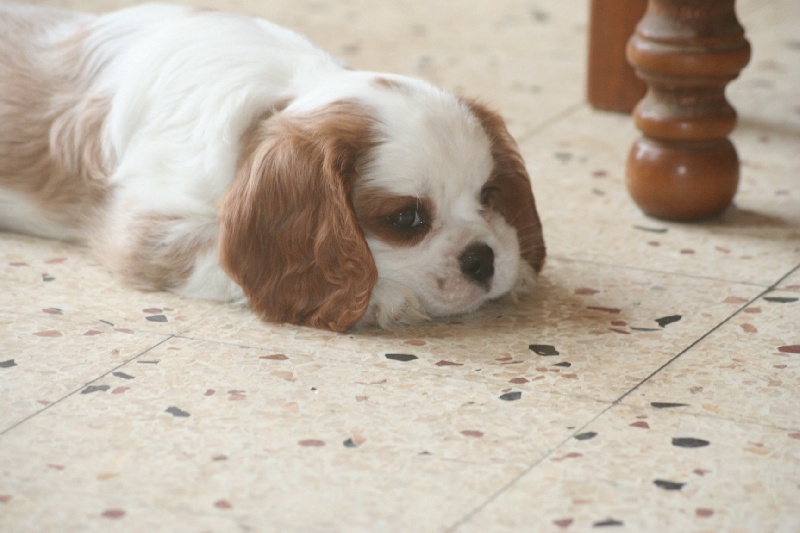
134, 131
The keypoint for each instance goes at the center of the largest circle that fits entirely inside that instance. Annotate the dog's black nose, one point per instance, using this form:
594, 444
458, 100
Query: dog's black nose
477, 263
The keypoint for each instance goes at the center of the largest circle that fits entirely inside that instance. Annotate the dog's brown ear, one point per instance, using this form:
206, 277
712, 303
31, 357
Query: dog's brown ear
288, 233
510, 187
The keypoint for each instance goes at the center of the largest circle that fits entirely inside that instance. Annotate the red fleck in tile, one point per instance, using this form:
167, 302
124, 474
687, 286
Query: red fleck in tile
56, 467
275, 357
114, 514
687, 251
472, 433
794, 436
749, 328
18, 264
704, 513
585, 291
611, 310
448, 363
415, 342
124, 330
753, 310
362, 398
572, 455
48, 333
91, 332
5, 498
794, 348
311, 443
56, 260
209, 392
120, 390
222, 504
518, 381
53, 311
641, 424
700, 472
153, 311
563, 523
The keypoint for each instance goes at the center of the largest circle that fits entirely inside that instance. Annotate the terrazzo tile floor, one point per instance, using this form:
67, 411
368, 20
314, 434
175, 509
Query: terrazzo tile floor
652, 385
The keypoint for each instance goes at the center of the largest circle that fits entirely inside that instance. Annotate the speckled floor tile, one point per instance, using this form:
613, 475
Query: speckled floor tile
249, 426
757, 241
42, 360
748, 370
651, 470
59, 279
792, 281
560, 413
587, 323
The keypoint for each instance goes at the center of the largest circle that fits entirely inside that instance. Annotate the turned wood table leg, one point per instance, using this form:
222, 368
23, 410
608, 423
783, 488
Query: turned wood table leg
684, 167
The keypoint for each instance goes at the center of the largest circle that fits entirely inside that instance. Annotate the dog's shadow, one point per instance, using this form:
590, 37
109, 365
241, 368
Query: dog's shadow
550, 304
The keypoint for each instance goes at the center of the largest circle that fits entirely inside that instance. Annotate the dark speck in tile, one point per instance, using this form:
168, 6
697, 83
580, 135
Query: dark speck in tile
95, 388
781, 299
511, 396
667, 405
174, 411
651, 230
586, 436
404, 357
156, 318
7, 363
668, 485
665, 321
543, 349
609, 523
689, 442
122, 375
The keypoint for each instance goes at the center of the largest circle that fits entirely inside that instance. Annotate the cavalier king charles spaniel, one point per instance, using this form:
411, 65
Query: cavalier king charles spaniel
224, 157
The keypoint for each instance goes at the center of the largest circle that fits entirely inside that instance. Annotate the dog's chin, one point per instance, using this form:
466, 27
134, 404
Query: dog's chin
394, 305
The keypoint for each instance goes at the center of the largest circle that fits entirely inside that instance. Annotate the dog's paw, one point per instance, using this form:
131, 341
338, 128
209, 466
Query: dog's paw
392, 305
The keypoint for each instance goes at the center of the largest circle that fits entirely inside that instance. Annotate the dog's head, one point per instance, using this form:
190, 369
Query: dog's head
397, 203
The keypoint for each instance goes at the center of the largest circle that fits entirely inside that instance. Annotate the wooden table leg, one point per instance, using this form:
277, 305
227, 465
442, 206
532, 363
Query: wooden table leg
684, 167
611, 83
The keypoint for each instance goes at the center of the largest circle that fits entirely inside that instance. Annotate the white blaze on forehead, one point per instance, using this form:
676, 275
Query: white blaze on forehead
433, 147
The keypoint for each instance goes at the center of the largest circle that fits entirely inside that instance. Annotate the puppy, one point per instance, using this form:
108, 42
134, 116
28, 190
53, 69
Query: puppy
224, 157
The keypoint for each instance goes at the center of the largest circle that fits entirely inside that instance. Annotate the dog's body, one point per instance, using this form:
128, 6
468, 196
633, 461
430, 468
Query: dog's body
224, 157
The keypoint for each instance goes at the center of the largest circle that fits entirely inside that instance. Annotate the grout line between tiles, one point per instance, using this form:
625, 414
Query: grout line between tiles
619, 400
551, 121
708, 333
76, 391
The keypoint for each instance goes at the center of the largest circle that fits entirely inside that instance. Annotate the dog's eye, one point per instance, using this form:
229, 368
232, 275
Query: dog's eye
487, 195
406, 219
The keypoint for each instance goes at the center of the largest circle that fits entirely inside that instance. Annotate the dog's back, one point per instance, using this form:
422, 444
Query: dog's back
42, 105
